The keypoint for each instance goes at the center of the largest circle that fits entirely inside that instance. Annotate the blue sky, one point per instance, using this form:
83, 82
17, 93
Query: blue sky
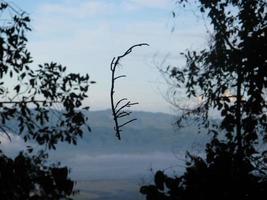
85, 35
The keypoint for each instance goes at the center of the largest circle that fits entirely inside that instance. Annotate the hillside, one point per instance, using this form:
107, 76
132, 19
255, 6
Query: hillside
150, 142
152, 132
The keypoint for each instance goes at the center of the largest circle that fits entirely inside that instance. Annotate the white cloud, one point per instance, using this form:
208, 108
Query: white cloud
153, 3
87, 45
87, 8
79, 9
134, 5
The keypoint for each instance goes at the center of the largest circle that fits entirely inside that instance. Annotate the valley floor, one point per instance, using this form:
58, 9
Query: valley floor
109, 190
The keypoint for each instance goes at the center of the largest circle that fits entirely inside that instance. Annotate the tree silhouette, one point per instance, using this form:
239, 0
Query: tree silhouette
42, 105
230, 77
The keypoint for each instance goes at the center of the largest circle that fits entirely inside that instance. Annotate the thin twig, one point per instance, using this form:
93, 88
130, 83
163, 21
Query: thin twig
6, 133
121, 100
127, 122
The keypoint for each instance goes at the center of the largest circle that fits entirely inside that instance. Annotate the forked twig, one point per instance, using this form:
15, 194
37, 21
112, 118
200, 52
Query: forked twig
118, 108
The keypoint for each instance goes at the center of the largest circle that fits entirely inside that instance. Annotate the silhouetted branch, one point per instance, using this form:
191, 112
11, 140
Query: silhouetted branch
122, 76
128, 104
123, 114
30, 101
127, 122
118, 107
117, 104
6, 133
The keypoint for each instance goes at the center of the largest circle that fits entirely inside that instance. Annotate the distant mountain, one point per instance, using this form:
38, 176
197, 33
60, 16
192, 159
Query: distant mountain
152, 141
151, 132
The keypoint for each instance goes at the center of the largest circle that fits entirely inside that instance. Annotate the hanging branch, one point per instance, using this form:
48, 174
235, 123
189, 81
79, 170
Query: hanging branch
118, 108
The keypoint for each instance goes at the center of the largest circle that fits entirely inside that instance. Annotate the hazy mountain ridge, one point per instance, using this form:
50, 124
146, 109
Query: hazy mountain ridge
151, 132
152, 141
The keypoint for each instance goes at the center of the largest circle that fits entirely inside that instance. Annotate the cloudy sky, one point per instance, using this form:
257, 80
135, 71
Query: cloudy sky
85, 35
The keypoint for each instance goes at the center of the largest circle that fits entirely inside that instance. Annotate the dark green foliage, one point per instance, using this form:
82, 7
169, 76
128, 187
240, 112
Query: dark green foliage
27, 177
230, 77
46, 104
221, 176
230, 74
37, 91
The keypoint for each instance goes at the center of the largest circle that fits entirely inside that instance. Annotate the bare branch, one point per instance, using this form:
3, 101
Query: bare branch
123, 106
6, 133
123, 114
122, 76
117, 110
127, 122
121, 100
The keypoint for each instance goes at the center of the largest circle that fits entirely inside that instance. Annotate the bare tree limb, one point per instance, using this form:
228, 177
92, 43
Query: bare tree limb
127, 122
118, 108
121, 100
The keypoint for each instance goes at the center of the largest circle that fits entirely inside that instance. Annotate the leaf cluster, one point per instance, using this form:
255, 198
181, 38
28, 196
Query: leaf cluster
46, 102
229, 77
44, 106
235, 58
28, 177
220, 176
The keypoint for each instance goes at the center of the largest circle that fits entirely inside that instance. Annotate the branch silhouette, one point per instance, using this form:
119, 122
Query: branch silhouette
118, 108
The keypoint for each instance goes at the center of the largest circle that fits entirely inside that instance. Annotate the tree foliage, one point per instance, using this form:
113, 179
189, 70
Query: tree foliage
41, 104
27, 177
228, 76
